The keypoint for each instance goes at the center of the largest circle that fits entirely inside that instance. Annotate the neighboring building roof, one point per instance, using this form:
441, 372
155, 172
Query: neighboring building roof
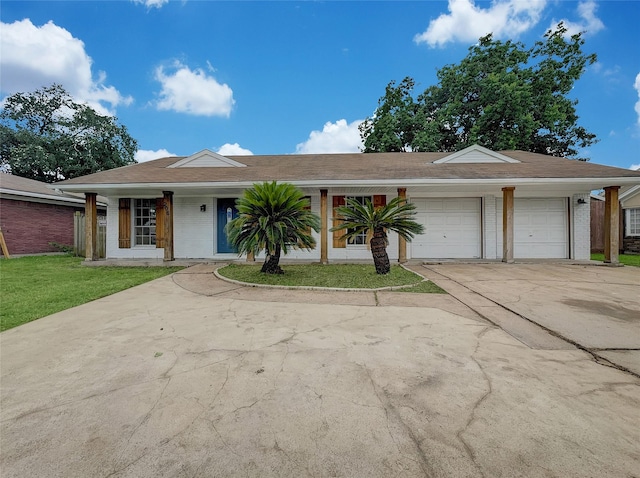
629, 192
358, 168
630, 196
16, 187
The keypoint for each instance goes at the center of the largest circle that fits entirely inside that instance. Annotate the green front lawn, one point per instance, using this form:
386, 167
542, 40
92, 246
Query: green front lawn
36, 286
343, 276
626, 259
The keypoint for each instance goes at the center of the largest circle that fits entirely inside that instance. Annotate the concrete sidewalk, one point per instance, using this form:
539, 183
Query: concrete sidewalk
161, 381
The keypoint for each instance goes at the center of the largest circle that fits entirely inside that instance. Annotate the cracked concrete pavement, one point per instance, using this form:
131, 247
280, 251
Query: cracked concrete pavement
593, 307
187, 376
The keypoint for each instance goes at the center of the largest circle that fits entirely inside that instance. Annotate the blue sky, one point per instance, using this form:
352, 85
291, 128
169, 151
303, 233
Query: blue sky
296, 76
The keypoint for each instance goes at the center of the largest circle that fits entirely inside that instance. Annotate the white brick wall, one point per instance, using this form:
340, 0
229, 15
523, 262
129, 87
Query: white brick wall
490, 246
193, 229
357, 252
135, 252
581, 227
314, 254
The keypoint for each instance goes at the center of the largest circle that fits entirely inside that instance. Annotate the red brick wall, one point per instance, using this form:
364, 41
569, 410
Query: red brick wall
29, 227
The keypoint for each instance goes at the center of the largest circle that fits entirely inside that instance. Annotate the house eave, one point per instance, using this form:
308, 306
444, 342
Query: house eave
42, 198
587, 183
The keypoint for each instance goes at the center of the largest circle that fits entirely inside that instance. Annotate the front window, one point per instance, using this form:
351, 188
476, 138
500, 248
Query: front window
144, 217
360, 239
633, 222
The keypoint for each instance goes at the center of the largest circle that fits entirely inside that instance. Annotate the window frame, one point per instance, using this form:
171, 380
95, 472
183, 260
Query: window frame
140, 204
363, 236
632, 230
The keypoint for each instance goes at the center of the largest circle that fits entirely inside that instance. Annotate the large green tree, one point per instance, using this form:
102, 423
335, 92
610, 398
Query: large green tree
272, 217
502, 96
46, 136
363, 218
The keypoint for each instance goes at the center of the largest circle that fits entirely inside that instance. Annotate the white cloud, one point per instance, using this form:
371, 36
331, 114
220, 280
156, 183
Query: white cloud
234, 149
635, 167
143, 155
467, 22
151, 3
590, 23
34, 57
338, 137
193, 92
636, 85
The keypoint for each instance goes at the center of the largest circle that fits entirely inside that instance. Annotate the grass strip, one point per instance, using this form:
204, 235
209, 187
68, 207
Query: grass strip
341, 276
32, 287
626, 259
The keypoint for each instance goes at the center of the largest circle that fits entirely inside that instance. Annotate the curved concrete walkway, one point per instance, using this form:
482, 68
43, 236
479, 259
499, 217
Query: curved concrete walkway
164, 381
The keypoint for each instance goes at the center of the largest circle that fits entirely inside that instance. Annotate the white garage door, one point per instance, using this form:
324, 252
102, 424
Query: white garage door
452, 228
540, 229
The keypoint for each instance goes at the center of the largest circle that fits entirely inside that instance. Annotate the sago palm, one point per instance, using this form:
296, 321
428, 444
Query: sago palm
397, 216
273, 218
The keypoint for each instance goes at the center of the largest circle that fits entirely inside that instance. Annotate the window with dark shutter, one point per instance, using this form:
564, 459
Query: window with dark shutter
124, 223
337, 241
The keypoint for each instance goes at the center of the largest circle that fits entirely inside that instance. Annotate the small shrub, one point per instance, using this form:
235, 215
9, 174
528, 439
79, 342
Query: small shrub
66, 248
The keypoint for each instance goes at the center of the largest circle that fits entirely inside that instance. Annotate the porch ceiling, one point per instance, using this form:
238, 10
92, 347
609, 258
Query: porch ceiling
523, 188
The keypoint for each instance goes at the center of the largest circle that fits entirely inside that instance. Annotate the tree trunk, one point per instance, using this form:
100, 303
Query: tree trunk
272, 263
379, 251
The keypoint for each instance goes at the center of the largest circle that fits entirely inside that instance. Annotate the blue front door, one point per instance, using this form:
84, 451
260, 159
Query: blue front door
226, 212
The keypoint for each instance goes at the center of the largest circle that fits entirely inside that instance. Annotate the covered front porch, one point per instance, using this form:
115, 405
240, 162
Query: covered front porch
188, 226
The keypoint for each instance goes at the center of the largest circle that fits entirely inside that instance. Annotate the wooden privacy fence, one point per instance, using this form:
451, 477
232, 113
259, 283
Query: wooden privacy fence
79, 235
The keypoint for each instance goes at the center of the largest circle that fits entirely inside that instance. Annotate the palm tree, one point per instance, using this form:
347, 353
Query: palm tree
273, 218
397, 216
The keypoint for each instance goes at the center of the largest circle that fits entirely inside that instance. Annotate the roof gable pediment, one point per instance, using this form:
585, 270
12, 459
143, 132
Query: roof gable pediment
207, 159
475, 155
630, 197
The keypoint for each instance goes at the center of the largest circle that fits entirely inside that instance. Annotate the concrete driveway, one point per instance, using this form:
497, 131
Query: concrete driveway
593, 307
186, 376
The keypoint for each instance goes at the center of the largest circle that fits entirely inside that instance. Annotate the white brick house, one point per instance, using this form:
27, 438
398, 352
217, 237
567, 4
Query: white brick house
475, 203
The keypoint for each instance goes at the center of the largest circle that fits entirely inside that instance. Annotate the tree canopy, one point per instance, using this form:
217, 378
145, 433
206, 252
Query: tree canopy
502, 96
272, 217
46, 136
356, 218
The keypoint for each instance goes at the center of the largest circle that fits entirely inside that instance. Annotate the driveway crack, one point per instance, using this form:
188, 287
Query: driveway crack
144, 420
391, 412
472, 416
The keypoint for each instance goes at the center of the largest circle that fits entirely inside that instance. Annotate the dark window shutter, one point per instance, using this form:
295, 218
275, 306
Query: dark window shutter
337, 241
308, 208
379, 200
160, 214
124, 223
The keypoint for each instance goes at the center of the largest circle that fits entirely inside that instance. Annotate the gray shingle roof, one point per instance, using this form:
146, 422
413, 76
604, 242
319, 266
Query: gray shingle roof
11, 184
352, 167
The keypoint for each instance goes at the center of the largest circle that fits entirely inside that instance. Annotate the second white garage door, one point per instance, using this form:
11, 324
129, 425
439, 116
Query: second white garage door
540, 229
452, 228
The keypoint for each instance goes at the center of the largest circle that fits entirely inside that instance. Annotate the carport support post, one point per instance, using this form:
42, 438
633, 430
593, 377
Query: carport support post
168, 225
90, 227
507, 224
324, 258
402, 242
611, 224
